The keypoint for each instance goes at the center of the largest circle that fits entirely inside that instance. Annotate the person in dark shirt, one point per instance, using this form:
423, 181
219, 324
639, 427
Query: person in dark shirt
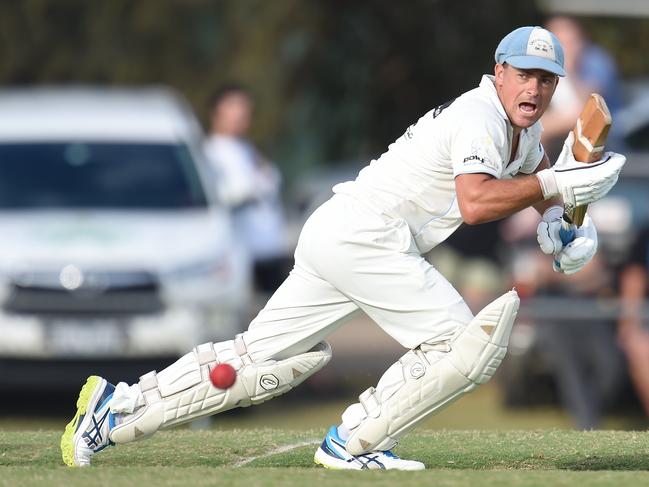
633, 330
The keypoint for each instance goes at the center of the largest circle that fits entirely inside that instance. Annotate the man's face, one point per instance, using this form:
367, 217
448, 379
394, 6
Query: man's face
232, 116
524, 93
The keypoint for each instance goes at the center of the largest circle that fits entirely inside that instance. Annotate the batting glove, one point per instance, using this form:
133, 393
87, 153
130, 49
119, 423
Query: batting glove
580, 183
578, 253
547, 233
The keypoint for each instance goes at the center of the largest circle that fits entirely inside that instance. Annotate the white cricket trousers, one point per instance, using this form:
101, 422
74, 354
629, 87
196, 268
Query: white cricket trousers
351, 259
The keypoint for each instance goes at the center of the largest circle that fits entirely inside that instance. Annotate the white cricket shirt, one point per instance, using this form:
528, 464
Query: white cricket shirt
414, 179
252, 189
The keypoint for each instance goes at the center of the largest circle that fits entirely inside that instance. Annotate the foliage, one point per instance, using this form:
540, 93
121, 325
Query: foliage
333, 79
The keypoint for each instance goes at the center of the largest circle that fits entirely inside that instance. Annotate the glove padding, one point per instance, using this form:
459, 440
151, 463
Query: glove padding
547, 232
580, 251
580, 183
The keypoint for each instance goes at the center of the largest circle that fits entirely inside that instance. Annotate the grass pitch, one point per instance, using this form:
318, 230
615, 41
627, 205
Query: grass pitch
277, 457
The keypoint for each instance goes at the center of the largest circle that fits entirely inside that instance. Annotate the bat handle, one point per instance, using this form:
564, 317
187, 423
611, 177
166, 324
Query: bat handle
567, 235
566, 232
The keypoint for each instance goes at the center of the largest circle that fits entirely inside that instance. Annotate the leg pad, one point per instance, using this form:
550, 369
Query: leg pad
183, 392
429, 378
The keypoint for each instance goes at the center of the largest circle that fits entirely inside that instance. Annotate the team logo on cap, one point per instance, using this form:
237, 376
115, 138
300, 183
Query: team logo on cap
540, 44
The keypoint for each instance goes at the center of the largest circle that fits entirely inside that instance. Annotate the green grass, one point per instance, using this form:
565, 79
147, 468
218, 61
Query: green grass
250, 457
480, 410
476, 442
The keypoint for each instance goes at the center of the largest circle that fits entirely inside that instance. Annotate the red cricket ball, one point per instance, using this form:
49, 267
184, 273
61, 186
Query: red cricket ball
223, 376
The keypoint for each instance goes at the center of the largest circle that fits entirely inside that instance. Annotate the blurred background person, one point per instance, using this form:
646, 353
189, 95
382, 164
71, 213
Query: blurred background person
587, 365
250, 185
632, 330
590, 69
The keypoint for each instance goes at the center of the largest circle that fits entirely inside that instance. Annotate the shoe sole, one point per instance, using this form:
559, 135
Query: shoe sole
336, 464
328, 467
331, 466
67, 440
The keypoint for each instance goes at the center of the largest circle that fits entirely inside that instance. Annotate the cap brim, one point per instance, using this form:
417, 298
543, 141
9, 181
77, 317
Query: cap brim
536, 62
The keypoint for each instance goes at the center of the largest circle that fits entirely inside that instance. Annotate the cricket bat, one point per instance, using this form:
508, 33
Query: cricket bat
590, 134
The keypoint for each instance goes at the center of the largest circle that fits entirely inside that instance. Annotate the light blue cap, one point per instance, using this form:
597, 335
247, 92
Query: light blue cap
531, 48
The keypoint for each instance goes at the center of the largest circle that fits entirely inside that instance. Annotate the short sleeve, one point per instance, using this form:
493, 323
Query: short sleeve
477, 146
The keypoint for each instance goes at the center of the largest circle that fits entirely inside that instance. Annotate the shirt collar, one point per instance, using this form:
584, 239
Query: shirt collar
488, 87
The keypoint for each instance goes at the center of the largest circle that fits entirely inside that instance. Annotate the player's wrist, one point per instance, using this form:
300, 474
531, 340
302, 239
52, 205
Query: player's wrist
548, 183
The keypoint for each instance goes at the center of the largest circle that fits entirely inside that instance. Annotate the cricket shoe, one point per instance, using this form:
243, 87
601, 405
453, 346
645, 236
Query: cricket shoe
87, 433
332, 454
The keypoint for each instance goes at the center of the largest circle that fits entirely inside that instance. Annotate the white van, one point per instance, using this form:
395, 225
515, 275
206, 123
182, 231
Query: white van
112, 243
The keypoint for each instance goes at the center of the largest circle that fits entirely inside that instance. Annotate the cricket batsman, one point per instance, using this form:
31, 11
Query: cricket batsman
474, 159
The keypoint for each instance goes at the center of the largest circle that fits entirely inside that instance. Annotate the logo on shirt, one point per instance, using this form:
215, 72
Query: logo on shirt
479, 153
474, 158
410, 132
437, 111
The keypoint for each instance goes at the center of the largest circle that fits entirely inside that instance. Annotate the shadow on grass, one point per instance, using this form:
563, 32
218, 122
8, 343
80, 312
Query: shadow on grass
638, 461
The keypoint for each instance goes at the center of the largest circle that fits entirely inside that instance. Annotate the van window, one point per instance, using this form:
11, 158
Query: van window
99, 175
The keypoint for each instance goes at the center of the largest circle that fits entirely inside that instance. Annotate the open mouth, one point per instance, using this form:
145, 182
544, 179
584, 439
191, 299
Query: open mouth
527, 108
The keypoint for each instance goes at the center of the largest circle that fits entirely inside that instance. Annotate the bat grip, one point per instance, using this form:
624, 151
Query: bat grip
566, 232
567, 235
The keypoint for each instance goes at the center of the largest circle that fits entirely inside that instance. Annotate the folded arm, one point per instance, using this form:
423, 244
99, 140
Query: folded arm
483, 198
